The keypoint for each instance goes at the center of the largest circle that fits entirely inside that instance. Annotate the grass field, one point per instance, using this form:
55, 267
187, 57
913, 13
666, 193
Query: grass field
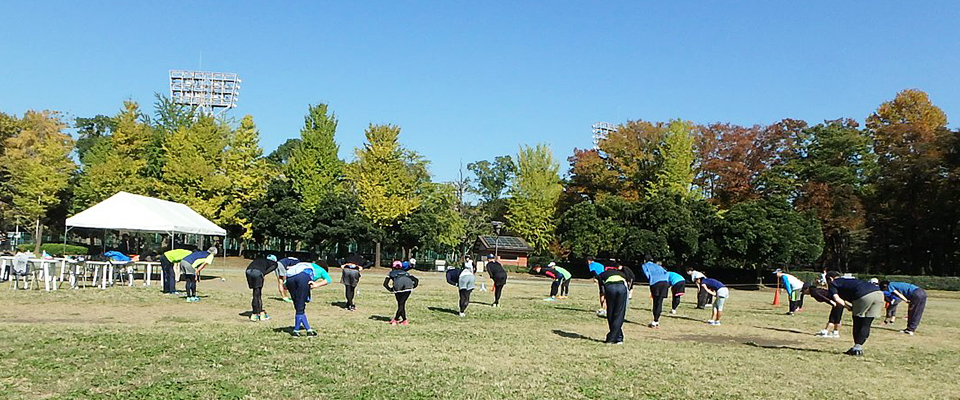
137, 343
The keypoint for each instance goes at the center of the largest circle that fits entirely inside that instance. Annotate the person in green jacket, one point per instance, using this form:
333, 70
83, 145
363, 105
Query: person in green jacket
559, 276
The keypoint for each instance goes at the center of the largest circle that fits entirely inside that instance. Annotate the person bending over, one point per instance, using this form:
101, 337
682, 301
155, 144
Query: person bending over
659, 287
403, 285
832, 330
499, 276
678, 286
864, 299
914, 296
255, 273
301, 278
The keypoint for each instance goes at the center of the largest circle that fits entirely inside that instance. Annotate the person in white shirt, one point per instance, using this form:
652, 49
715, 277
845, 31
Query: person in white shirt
704, 299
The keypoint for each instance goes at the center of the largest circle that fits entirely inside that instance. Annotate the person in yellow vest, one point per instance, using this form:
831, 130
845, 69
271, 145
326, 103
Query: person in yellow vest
167, 260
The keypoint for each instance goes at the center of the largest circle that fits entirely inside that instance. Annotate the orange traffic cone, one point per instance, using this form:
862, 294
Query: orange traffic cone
776, 295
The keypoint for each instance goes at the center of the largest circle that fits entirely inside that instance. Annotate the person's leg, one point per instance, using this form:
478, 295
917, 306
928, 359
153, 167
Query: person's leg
402, 305
257, 303
398, 315
498, 290
891, 315
800, 302
565, 288
464, 300
701, 298
616, 311
675, 303
657, 308
192, 281
299, 286
918, 301
554, 287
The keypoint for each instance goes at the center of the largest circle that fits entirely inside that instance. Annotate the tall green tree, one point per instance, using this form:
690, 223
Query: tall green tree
533, 197
382, 180
36, 161
676, 155
193, 172
92, 130
248, 173
314, 167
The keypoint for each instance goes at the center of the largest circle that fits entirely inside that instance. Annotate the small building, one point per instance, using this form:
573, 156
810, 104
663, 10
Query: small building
511, 249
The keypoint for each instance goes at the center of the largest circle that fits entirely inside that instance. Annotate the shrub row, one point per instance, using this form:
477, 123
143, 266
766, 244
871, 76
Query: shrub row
926, 282
55, 249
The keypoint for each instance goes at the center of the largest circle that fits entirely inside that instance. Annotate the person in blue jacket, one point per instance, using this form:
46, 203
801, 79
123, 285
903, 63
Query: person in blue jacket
596, 269
720, 293
677, 286
891, 303
794, 288
301, 278
914, 296
659, 287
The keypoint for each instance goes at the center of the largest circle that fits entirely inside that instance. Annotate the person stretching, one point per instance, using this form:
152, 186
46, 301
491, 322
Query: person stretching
553, 274
190, 267
255, 273
914, 296
703, 298
565, 285
793, 287
350, 278
465, 285
499, 276
864, 299
631, 279
659, 287
301, 278
677, 286
167, 260
403, 285
281, 273
832, 330
891, 302
720, 293
595, 270
614, 286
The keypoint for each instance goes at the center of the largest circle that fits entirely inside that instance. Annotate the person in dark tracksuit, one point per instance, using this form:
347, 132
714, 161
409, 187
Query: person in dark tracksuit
403, 285
614, 286
499, 276
631, 278
832, 330
914, 296
255, 272
350, 278
703, 297
659, 288
167, 260
301, 278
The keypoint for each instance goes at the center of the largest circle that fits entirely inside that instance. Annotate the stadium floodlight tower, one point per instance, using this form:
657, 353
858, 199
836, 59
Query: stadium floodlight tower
600, 131
213, 93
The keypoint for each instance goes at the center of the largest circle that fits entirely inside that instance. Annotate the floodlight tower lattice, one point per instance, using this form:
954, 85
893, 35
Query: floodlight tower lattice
213, 93
600, 131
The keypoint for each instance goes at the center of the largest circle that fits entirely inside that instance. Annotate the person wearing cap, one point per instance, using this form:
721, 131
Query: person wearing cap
864, 299
499, 276
914, 296
350, 278
596, 269
255, 273
403, 285
553, 274
466, 282
614, 289
832, 330
678, 285
659, 287
190, 267
301, 278
703, 298
793, 286
281, 273
890, 303
720, 294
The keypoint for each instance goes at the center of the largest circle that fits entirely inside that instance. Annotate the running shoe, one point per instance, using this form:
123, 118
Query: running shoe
549, 299
288, 300
789, 312
463, 315
654, 325
311, 332
673, 311
716, 323
393, 322
710, 322
835, 334
601, 313
823, 333
405, 323
295, 333
264, 317
254, 317
854, 352
907, 332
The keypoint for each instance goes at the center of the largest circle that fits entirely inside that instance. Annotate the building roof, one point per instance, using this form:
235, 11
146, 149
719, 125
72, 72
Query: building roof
508, 243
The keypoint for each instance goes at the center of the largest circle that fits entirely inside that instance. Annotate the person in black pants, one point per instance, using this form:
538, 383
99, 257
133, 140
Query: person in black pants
499, 276
351, 278
255, 273
631, 278
403, 285
615, 292
863, 299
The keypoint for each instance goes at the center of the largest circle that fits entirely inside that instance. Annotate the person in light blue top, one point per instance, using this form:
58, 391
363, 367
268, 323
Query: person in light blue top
659, 287
678, 286
596, 269
914, 296
301, 278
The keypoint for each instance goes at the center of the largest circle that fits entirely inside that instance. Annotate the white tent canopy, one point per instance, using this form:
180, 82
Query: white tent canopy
130, 212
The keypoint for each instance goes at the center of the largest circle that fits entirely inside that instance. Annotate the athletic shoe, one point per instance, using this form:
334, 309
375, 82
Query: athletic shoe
463, 315
708, 305
264, 317
854, 352
710, 322
835, 334
907, 332
654, 325
393, 322
601, 313
673, 311
404, 323
549, 299
295, 333
311, 332
288, 300
823, 333
254, 317
789, 312
716, 323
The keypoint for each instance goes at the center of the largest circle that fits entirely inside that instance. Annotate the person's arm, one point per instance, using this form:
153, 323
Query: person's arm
200, 268
318, 283
386, 282
846, 305
712, 293
901, 296
416, 282
280, 286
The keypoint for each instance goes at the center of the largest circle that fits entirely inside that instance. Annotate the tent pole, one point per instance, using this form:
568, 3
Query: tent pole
224, 265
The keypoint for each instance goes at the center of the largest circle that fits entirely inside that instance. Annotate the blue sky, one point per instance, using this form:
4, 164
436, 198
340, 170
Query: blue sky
473, 80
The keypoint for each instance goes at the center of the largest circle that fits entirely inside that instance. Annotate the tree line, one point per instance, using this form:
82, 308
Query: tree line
880, 198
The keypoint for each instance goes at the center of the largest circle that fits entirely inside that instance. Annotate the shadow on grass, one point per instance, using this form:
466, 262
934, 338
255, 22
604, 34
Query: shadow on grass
574, 335
341, 304
480, 302
246, 314
575, 309
783, 347
444, 310
685, 317
380, 318
770, 328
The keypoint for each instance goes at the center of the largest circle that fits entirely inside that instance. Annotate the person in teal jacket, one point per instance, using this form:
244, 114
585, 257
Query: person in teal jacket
678, 285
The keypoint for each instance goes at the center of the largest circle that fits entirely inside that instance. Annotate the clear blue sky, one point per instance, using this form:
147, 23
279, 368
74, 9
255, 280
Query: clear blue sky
473, 80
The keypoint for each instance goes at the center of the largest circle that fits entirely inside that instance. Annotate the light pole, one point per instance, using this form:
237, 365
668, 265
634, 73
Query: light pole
496, 242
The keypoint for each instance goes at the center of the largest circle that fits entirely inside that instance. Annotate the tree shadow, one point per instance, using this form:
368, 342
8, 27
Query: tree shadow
574, 335
783, 347
444, 310
380, 318
770, 328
